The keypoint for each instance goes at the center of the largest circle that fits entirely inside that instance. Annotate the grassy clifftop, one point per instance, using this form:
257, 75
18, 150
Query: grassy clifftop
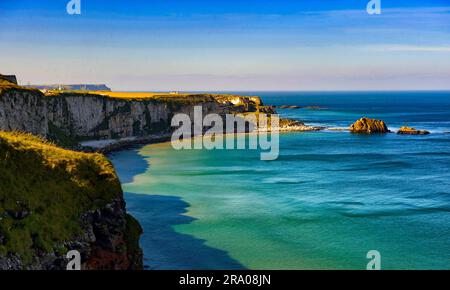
170, 97
6, 85
44, 190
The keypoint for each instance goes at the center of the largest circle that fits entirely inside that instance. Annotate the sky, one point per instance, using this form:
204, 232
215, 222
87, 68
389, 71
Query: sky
229, 45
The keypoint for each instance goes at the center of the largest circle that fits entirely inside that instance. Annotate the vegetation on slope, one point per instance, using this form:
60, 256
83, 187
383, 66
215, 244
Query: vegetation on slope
181, 98
158, 95
44, 190
6, 85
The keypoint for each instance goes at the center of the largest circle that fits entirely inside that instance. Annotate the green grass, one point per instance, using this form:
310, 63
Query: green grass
43, 191
6, 85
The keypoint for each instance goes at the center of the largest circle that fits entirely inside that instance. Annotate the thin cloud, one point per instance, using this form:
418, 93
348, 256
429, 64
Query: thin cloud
407, 48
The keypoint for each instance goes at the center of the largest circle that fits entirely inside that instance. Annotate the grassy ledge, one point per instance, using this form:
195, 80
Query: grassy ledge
44, 190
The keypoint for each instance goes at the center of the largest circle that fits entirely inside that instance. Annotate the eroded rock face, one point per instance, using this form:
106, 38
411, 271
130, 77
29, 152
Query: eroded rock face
23, 110
71, 117
109, 241
370, 126
412, 131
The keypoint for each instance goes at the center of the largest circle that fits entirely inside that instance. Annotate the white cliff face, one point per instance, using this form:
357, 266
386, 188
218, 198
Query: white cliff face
83, 116
98, 117
23, 111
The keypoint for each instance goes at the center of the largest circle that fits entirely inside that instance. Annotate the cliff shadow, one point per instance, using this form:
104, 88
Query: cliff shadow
163, 247
166, 249
128, 163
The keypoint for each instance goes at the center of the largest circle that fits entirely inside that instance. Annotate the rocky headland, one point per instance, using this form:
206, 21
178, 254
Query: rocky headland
69, 118
53, 200
108, 120
288, 125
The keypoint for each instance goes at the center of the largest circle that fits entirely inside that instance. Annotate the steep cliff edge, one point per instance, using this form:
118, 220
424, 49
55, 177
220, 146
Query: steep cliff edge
70, 117
54, 200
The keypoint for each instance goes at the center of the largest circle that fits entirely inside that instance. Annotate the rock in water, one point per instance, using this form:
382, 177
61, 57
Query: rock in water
370, 126
411, 131
315, 108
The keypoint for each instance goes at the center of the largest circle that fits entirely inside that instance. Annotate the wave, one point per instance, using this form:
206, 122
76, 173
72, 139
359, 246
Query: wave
375, 165
359, 156
328, 157
208, 172
407, 210
276, 180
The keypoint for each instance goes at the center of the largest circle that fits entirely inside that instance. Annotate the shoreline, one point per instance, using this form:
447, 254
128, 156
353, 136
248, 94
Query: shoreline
108, 146
114, 145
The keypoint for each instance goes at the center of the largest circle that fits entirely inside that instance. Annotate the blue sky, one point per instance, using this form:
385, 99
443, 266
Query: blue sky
229, 45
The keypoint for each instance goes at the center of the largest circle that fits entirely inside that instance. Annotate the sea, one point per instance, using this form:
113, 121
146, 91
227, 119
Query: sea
328, 199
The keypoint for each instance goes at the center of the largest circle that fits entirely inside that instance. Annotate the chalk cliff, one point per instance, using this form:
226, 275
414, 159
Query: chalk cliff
53, 200
69, 118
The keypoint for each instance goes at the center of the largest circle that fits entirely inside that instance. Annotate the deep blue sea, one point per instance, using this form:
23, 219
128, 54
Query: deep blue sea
329, 198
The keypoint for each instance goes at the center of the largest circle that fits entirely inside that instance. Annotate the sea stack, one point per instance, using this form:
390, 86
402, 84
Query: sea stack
412, 131
369, 126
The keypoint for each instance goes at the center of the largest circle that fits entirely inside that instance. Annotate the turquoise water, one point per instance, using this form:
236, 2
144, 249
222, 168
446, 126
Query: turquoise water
323, 204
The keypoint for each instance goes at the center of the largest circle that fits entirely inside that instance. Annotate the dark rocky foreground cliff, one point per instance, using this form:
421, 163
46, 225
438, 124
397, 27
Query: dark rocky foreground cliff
54, 200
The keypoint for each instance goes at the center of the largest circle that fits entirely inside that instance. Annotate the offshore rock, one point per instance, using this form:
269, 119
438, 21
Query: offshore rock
369, 126
412, 131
